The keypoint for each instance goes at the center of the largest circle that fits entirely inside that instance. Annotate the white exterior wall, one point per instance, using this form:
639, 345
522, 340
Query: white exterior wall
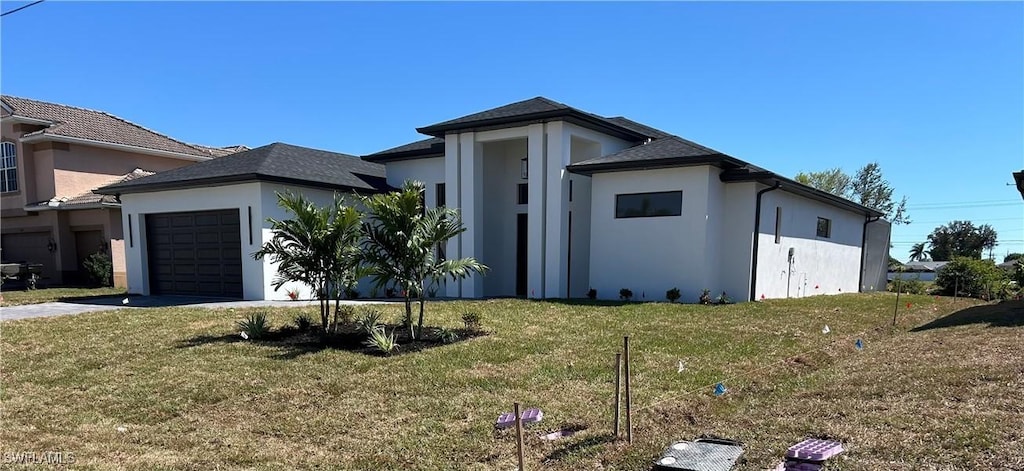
257, 275
268, 208
651, 255
501, 175
821, 265
240, 197
737, 236
428, 171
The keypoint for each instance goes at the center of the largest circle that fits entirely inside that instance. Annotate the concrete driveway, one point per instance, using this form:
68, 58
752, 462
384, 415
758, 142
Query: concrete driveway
66, 308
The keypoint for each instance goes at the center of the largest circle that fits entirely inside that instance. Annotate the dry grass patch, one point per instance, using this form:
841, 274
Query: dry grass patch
70, 382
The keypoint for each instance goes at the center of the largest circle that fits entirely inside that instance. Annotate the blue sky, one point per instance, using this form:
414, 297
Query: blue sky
932, 91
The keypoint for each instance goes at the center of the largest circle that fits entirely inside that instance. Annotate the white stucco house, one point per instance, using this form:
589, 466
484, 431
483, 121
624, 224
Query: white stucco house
555, 200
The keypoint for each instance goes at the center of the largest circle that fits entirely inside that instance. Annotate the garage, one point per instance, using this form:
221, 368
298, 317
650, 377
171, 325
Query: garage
196, 253
32, 247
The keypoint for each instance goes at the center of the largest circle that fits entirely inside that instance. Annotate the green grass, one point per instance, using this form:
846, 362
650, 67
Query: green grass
36, 296
190, 399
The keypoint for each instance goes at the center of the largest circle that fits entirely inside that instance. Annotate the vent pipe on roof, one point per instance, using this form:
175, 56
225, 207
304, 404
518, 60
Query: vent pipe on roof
648, 141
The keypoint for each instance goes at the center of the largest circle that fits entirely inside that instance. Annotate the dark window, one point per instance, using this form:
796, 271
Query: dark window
8, 167
824, 227
641, 205
523, 190
439, 195
778, 224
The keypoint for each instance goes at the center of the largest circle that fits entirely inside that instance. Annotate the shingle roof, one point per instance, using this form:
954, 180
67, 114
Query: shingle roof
639, 128
433, 146
668, 148
277, 162
82, 123
537, 109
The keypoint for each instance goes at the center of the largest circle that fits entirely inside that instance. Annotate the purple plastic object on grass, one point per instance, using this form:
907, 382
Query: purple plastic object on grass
814, 450
531, 416
506, 420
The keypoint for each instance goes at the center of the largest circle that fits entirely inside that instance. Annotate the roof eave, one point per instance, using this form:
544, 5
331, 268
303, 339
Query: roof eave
43, 137
14, 118
406, 155
117, 190
570, 115
719, 160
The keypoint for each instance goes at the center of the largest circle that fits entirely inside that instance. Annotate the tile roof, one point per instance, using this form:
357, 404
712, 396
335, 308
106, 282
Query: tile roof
277, 162
82, 123
89, 200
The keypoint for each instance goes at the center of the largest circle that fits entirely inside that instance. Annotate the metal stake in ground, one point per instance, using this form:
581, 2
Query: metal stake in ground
629, 401
897, 308
618, 393
519, 435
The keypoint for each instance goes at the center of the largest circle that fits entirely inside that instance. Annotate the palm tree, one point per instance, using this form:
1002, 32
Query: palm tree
918, 253
400, 240
318, 247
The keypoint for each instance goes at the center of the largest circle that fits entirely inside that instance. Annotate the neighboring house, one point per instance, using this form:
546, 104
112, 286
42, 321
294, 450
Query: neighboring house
555, 201
53, 157
922, 271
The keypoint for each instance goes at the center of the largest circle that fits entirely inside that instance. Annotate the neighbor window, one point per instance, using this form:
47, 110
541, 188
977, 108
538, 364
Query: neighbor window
641, 205
824, 227
523, 191
439, 195
8, 167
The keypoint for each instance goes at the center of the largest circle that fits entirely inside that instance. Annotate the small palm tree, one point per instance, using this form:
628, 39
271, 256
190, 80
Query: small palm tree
318, 247
918, 253
399, 248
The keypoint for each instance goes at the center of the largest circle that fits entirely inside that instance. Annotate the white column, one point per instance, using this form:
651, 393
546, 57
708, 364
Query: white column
557, 206
451, 196
536, 149
472, 208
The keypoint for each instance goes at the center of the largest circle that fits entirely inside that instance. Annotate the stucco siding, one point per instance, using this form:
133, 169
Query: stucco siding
737, 236
240, 196
821, 265
650, 255
429, 171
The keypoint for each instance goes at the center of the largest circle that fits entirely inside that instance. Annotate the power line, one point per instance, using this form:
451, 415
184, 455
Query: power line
21, 8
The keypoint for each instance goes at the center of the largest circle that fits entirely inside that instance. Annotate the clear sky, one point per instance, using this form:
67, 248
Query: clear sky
934, 92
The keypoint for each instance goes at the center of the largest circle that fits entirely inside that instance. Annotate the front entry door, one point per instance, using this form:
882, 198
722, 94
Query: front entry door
521, 255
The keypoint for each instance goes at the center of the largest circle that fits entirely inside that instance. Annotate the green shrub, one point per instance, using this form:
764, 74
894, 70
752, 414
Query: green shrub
970, 277
369, 321
908, 286
100, 269
345, 315
472, 320
705, 297
303, 322
724, 299
673, 295
255, 326
591, 294
625, 294
383, 342
447, 336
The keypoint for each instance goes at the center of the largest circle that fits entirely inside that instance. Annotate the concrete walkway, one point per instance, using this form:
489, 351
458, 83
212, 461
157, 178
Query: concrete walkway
67, 308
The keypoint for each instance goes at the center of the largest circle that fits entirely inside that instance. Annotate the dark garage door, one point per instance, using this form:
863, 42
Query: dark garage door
195, 253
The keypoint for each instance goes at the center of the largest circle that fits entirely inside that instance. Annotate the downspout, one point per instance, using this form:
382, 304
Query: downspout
863, 251
757, 237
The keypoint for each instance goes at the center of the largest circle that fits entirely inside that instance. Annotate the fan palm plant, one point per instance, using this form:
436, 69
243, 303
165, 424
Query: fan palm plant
401, 237
918, 253
318, 246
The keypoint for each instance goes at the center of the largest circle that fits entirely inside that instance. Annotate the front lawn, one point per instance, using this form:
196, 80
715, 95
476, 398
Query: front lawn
46, 295
174, 388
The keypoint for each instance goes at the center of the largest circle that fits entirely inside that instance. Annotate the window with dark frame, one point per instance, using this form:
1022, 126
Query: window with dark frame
824, 228
778, 224
643, 205
439, 195
523, 193
8, 167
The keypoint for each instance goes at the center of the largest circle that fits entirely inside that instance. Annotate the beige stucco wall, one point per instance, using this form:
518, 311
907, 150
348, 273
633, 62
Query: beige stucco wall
46, 170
